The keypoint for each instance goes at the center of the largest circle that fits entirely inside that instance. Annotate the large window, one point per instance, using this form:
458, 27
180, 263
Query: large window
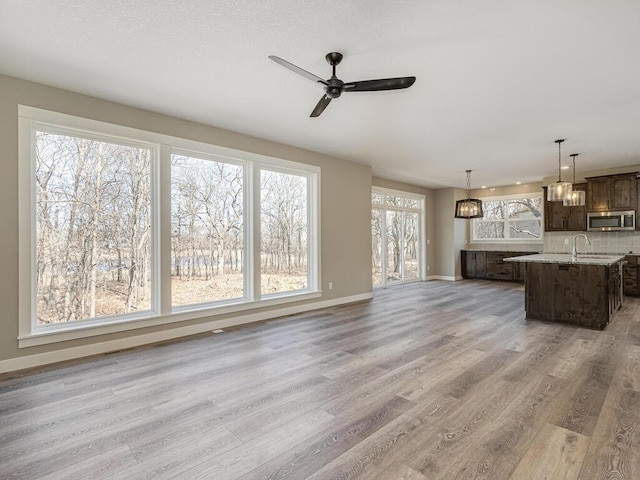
92, 227
510, 219
122, 228
207, 240
397, 225
283, 232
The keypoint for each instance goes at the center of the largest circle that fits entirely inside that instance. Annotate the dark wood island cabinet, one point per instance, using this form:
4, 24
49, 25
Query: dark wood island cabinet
630, 276
586, 291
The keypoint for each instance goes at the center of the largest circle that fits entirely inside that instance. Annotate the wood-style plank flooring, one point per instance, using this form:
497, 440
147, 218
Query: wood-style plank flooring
432, 380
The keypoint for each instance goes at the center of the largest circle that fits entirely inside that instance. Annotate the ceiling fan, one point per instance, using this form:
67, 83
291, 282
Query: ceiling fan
334, 87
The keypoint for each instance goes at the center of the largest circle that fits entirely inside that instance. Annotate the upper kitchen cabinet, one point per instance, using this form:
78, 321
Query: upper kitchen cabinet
558, 217
613, 192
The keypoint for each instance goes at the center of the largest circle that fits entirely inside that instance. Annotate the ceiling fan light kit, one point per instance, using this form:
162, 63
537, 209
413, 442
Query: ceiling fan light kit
469, 207
558, 191
334, 87
577, 198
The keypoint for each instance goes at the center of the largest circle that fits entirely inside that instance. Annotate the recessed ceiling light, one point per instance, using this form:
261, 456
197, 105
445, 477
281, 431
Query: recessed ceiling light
484, 186
518, 183
566, 167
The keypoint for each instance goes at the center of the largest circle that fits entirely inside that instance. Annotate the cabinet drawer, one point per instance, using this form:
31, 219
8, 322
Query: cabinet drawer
498, 269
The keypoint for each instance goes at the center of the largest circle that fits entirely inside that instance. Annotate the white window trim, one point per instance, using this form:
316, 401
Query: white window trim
161, 312
398, 193
422, 253
506, 221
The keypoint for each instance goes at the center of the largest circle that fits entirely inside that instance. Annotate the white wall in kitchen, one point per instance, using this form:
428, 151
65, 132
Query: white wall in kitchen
601, 242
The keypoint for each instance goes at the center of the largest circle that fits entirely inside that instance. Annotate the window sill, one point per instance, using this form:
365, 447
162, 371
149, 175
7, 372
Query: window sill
65, 332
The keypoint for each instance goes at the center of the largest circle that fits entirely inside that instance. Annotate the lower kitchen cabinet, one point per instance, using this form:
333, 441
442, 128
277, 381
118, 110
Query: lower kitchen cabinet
489, 264
474, 264
497, 269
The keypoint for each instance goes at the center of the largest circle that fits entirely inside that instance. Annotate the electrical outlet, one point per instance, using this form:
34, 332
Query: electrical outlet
330, 285
566, 241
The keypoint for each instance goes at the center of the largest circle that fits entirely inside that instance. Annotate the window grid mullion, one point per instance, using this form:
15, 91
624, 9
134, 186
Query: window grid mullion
163, 230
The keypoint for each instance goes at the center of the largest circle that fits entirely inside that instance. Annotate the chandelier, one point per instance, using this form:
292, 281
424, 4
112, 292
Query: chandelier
469, 207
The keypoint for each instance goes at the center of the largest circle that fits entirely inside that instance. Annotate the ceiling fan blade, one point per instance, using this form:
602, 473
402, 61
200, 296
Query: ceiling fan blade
382, 84
298, 70
320, 106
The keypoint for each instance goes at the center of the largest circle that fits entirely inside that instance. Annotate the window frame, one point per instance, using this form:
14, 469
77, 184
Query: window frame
506, 221
37, 126
163, 146
313, 234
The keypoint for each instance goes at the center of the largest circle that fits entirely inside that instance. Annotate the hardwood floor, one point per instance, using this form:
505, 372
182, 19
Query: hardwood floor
432, 380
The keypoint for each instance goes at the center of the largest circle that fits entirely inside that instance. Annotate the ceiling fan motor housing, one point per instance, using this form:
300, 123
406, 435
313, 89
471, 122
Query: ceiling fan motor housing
334, 87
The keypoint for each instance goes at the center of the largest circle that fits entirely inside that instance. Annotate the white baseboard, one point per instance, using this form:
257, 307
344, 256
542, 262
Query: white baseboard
39, 359
444, 277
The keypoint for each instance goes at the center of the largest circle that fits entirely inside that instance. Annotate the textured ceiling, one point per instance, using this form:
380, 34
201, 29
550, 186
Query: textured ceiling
497, 81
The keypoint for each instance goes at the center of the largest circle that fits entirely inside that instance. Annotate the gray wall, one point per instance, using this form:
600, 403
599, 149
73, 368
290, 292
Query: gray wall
345, 212
449, 233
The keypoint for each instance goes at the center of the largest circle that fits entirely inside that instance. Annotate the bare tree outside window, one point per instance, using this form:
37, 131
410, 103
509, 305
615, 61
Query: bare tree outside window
207, 237
394, 245
411, 246
93, 228
519, 218
283, 232
376, 245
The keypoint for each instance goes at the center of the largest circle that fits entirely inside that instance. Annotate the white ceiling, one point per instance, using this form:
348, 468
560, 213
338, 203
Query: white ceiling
497, 81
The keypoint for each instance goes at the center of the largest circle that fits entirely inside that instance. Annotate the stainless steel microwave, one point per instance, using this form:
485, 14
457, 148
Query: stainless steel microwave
610, 221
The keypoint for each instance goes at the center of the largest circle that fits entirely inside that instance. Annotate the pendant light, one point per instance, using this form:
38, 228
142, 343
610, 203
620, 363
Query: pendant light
470, 207
577, 197
559, 190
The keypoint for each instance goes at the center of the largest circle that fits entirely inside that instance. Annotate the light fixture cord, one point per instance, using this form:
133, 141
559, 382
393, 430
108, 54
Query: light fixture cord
574, 168
468, 184
559, 162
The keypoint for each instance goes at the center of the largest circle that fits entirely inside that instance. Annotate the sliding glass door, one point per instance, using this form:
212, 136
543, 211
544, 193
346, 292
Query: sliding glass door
397, 246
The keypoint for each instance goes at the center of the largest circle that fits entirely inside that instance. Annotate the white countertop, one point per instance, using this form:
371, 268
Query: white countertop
583, 258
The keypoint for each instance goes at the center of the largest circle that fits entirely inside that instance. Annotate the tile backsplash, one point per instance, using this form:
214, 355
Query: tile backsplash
601, 242
506, 247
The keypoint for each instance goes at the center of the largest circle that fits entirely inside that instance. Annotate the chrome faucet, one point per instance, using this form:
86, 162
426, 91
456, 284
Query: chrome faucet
574, 251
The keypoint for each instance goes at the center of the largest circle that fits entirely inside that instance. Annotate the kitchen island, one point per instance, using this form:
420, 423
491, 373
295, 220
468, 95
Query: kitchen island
584, 291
